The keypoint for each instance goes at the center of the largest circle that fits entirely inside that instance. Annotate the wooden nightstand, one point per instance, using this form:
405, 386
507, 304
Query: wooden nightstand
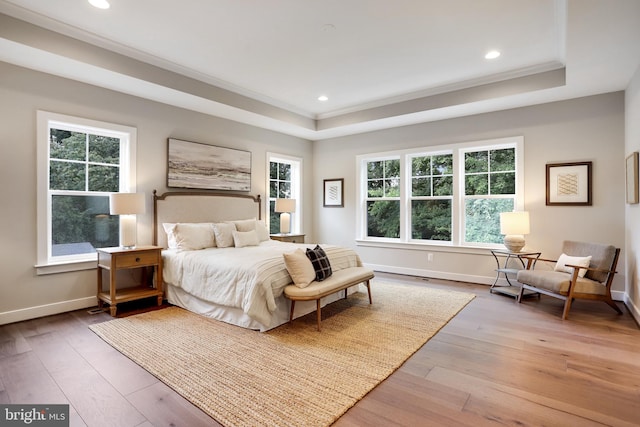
291, 238
114, 259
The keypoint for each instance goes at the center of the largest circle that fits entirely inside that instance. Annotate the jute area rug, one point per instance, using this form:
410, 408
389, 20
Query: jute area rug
292, 375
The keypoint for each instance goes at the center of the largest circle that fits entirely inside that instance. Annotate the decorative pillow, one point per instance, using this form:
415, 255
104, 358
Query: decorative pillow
224, 234
245, 238
299, 267
320, 262
263, 232
170, 229
561, 264
194, 236
245, 224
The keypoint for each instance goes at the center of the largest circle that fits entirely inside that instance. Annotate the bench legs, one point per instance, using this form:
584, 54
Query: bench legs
319, 309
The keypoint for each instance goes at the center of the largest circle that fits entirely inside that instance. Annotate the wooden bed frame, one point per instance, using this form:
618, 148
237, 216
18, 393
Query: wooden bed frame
201, 206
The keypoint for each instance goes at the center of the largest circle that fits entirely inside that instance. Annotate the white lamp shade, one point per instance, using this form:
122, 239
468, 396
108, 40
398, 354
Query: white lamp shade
285, 205
514, 223
126, 203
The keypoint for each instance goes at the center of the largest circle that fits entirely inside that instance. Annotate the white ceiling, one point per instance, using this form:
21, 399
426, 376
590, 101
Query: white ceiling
381, 63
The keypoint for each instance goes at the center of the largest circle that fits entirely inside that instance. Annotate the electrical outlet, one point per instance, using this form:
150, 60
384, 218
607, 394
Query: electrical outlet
429, 257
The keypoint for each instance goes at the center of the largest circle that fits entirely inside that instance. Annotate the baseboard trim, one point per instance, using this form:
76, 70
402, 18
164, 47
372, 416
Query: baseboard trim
482, 280
46, 310
633, 309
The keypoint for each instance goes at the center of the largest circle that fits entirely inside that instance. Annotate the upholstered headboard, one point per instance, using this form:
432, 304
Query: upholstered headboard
200, 206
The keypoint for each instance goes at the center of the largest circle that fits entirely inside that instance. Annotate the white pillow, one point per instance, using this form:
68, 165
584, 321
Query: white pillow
263, 232
170, 229
564, 259
245, 238
194, 236
224, 234
299, 267
245, 224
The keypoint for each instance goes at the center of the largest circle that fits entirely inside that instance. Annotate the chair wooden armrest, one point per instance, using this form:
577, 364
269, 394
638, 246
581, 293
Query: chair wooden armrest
600, 270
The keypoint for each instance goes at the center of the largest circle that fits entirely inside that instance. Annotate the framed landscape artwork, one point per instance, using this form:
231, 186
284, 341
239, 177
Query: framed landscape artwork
203, 166
569, 184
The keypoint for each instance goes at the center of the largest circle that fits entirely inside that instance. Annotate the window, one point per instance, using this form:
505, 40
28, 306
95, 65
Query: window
284, 183
440, 195
80, 162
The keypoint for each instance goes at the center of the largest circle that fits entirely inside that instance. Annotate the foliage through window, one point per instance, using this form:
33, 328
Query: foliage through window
284, 183
448, 194
83, 164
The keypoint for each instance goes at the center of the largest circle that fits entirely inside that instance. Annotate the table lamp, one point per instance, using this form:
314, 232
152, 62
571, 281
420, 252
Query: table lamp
285, 207
514, 225
127, 205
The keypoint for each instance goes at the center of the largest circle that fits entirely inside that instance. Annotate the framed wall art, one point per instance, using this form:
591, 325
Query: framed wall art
569, 184
196, 165
632, 178
333, 194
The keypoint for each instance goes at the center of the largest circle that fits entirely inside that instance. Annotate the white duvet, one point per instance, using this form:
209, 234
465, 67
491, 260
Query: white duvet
249, 278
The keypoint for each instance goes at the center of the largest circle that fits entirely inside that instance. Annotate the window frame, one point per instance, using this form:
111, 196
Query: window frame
458, 198
296, 189
47, 263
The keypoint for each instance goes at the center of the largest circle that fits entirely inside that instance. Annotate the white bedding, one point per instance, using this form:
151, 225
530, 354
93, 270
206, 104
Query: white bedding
250, 279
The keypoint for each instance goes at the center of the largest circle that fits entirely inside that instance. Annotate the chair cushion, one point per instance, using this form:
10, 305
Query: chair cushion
558, 282
601, 256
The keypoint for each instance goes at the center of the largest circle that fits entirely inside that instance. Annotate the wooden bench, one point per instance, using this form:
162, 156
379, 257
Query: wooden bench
338, 281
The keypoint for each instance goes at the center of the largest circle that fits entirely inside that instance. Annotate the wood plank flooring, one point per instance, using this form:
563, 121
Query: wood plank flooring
496, 363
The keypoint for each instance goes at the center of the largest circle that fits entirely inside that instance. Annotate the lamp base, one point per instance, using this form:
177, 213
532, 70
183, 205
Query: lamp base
514, 242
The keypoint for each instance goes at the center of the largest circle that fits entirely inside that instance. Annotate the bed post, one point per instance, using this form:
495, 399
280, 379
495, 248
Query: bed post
155, 218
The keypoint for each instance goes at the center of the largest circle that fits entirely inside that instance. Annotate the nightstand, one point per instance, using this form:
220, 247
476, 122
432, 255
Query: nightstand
115, 259
291, 238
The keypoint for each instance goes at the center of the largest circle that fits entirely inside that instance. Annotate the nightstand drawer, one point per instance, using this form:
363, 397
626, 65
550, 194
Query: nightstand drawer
138, 259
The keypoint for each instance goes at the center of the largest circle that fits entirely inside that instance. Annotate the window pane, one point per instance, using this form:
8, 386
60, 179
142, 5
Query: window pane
476, 184
375, 188
66, 145
392, 187
482, 219
284, 190
421, 166
274, 218
273, 189
431, 219
476, 161
443, 186
284, 172
67, 176
103, 149
503, 183
421, 187
80, 224
375, 170
273, 170
443, 164
383, 218
503, 160
104, 178
392, 168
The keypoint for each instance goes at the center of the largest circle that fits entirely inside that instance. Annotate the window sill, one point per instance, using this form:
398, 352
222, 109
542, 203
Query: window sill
65, 267
432, 247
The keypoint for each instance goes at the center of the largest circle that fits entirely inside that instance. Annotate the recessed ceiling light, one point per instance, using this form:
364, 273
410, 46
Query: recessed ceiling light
100, 4
492, 54
323, 98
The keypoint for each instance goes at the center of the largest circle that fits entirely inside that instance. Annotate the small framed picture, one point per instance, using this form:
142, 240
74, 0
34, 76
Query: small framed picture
632, 178
569, 184
333, 194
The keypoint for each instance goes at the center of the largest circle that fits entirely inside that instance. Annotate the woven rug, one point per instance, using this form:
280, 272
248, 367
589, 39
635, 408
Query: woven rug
292, 375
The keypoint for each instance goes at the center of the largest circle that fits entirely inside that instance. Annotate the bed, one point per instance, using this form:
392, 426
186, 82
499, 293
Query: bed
238, 281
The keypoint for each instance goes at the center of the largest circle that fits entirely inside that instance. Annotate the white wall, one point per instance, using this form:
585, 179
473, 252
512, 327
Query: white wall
632, 143
22, 93
585, 129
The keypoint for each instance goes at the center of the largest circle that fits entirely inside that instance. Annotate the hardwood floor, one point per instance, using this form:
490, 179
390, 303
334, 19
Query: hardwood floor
496, 363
